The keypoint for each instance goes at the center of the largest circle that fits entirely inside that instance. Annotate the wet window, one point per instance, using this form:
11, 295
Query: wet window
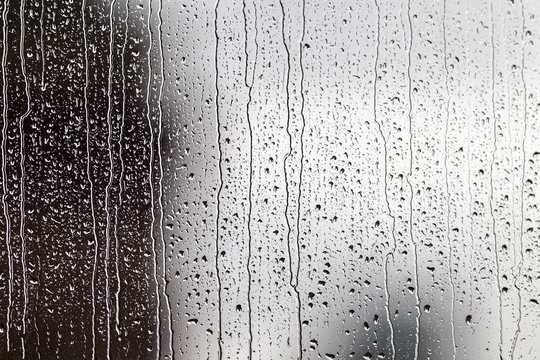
270, 179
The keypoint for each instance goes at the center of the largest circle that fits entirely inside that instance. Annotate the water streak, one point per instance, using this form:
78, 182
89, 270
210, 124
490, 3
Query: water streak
470, 184
250, 131
4, 168
38, 341
220, 188
23, 175
413, 242
42, 43
492, 201
447, 185
122, 170
523, 155
89, 176
165, 281
151, 182
299, 203
289, 152
385, 181
111, 177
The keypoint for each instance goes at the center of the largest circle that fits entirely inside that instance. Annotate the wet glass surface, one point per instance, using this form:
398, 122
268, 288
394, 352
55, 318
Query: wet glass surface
265, 179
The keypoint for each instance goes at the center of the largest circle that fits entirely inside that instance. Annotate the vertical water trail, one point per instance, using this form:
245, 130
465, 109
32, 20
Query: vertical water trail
4, 167
401, 12
299, 203
415, 252
160, 189
469, 180
385, 181
38, 342
509, 142
151, 182
23, 175
523, 154
220, 188
89, 175
293, 280
40, 289
42, 43
250, 131
122, 168
447, 185
492, 200
246, 65
111, 176
289, 152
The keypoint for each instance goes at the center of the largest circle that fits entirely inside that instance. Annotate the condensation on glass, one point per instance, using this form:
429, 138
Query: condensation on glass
270, 179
